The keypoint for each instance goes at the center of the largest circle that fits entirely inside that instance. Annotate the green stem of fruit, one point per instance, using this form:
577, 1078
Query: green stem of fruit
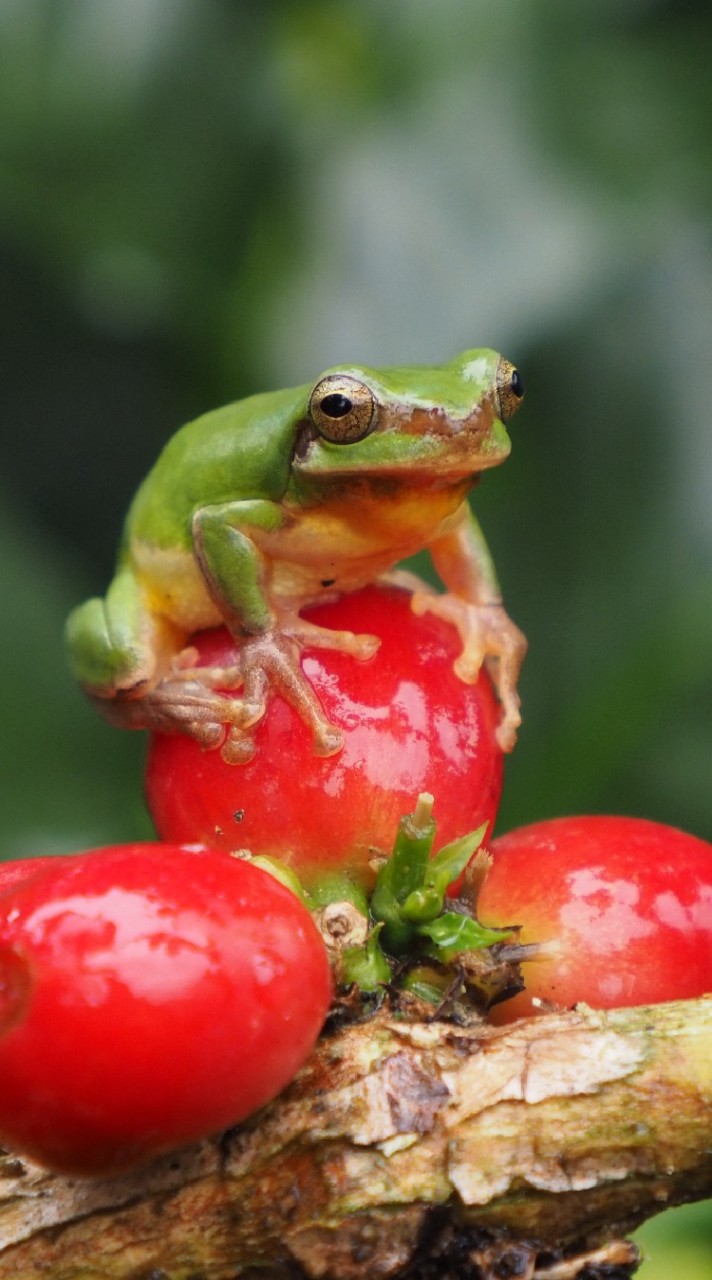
284, 874
422, 905
334, 886
403, 874
426, 983
366, 966
414, 842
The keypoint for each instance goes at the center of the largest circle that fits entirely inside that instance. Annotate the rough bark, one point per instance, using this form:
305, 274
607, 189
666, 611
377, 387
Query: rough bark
408, 1148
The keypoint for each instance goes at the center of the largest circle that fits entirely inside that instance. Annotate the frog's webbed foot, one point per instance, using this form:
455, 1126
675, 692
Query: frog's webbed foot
175, 705
197, 701
488, 636
270, 664
185, 667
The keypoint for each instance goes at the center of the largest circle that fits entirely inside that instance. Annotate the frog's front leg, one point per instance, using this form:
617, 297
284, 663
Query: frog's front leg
236, 574
473, 604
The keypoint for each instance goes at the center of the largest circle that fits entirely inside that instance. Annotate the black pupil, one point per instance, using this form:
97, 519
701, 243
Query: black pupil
517, 384
336, 405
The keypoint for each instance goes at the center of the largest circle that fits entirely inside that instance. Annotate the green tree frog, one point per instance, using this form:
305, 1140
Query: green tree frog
278, 501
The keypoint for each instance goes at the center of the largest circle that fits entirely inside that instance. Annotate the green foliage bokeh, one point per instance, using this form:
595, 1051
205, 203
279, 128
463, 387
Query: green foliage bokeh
200, 199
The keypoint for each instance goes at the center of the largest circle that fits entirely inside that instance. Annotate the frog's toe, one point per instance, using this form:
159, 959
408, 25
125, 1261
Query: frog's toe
253, 704
208, 735
311, 636
467, 667
238, 747
187, 659
364, 647
328, 740
506, 734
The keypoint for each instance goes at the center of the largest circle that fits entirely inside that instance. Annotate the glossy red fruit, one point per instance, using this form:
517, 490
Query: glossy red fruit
626, 902
149, 996
410, 725
13, 874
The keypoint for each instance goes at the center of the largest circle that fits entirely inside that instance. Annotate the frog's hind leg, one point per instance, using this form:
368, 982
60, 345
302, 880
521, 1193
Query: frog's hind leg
127, 658
117, 644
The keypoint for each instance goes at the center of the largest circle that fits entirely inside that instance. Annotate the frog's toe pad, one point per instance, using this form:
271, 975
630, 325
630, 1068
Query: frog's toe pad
467, 668
207, 734
365, 647
187, 659
506, 735
238, 747
328, 740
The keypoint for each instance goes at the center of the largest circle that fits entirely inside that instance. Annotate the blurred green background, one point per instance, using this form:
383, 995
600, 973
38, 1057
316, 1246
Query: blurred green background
202, 198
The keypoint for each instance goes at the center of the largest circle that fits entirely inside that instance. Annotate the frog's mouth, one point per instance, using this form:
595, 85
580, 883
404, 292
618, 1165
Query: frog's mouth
426, 441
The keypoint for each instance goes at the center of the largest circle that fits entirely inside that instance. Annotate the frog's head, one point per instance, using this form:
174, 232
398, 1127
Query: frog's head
443, 420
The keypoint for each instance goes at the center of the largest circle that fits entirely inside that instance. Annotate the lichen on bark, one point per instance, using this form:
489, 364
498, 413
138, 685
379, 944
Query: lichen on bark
408, 1148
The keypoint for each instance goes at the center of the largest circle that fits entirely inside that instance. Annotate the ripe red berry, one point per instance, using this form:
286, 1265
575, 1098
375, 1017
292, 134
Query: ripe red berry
13, 874
410, 725
149, 996
626, 904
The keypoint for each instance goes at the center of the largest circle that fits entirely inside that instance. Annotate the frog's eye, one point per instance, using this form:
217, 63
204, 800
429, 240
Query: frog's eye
510, 390
342, 408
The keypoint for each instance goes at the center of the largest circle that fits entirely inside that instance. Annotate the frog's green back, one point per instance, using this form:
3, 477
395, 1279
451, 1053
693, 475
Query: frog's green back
243, 450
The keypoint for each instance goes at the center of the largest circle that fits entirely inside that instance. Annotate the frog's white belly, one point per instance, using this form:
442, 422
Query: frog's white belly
314, 555
339, 548
176, 588
293, 584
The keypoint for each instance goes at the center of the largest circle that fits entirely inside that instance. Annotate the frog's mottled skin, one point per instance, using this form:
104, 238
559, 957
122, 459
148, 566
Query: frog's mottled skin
258, 509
